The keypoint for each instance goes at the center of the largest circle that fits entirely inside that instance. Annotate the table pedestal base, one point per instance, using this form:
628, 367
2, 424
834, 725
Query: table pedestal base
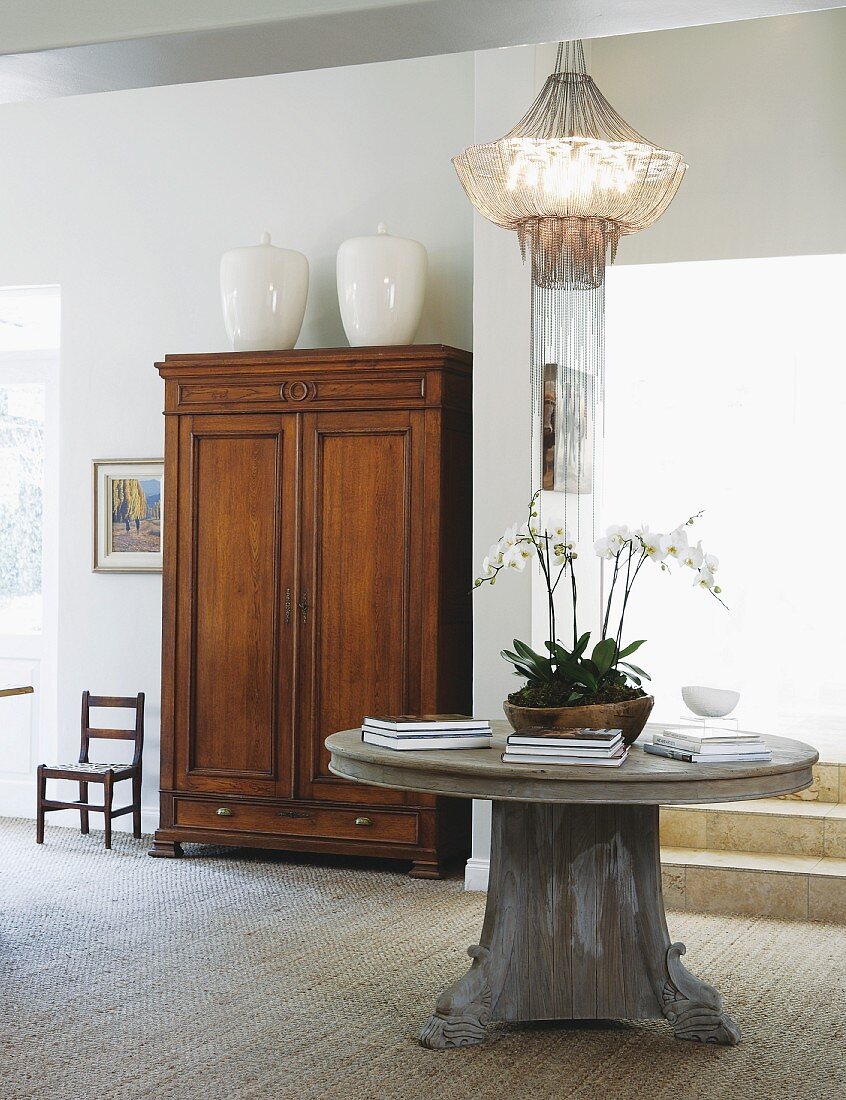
575, 930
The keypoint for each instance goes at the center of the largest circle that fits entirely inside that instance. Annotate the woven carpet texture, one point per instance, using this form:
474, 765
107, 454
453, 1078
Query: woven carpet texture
233, 975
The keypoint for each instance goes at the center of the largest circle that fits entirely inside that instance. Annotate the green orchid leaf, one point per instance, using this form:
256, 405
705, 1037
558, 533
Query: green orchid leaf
588, 679
604, 654
631, 648
636, 670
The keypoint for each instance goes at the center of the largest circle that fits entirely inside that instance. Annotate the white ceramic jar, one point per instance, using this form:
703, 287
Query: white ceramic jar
264, 291
381, 288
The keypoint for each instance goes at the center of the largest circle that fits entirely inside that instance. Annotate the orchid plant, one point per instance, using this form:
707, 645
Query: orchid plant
567, 677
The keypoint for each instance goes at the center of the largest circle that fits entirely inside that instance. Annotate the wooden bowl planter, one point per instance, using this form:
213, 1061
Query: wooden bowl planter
630, 716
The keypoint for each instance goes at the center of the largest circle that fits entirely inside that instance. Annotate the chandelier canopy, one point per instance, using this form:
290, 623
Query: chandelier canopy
571, 178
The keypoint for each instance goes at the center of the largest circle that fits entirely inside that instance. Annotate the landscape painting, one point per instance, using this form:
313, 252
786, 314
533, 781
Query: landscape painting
128, 516
136, 515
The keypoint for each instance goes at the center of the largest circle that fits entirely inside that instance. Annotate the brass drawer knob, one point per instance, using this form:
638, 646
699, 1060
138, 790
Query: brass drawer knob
363, 821
224, 811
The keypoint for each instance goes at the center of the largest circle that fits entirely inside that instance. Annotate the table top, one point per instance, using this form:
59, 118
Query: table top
642, 779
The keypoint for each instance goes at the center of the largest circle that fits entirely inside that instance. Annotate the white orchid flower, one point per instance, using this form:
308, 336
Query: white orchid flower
652, 542
604, 549
489, 568
495, 554
508, 539
515, 557
675, 544
692, 557
704, 579
711, 562
618, 535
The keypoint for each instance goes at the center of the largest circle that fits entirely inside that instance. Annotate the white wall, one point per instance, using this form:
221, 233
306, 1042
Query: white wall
757, 110
737, 410
127, 200
501, 419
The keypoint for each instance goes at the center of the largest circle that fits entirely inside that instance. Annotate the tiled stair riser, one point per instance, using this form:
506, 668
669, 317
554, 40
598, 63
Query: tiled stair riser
793, 894
781, 857
807, 829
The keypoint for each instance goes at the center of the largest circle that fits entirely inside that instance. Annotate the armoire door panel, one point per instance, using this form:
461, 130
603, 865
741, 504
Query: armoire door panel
240, 509
361, 477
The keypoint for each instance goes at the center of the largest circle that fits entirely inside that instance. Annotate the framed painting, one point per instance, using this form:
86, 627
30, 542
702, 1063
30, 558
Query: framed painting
567, 465
128, 515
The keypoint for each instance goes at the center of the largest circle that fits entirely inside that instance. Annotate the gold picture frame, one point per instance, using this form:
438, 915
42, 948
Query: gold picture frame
129, 515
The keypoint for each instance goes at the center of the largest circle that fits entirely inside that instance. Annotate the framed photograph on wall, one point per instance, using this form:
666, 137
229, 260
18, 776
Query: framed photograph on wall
128, 515
567, 432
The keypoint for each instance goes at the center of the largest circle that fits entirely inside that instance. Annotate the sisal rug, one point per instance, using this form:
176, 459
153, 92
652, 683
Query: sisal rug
234, 975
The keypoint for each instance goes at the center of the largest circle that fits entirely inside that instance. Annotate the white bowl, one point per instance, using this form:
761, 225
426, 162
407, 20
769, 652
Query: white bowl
710, 702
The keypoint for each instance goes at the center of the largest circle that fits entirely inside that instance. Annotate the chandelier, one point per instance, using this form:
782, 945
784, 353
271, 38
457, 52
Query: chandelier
570, 179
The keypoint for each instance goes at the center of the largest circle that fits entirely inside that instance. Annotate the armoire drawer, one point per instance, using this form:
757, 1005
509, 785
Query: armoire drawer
252, 817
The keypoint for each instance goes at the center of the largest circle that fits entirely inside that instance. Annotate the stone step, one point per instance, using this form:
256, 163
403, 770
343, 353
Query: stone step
765, 825
755, 884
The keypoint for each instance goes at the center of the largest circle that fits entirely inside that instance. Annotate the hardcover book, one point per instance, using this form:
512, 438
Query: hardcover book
415, 722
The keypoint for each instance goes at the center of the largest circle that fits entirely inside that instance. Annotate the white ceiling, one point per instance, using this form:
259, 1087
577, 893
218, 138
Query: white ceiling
53, 48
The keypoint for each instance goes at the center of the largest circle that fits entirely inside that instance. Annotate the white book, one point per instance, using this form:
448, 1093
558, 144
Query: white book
708, 758
722, 745
415, 723
565, 761
445, 741
707, 736
532, 748
403, 735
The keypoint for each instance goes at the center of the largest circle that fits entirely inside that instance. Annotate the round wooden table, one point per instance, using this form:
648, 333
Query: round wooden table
574, 927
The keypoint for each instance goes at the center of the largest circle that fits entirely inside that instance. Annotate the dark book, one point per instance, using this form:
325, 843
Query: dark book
536, 735
416, 722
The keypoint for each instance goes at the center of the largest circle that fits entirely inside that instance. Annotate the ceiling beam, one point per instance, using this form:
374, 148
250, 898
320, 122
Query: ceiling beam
328, 33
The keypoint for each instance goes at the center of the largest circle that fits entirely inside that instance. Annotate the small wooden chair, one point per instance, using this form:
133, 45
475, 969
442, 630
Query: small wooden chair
108, 774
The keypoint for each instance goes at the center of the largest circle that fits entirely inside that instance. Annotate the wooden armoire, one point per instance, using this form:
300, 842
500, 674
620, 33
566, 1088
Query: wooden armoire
317, 509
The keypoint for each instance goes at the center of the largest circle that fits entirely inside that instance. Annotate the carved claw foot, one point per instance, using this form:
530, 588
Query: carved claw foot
694, 1008
461, 1012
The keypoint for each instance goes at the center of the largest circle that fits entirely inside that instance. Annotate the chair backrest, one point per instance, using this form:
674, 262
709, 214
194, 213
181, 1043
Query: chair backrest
123, 702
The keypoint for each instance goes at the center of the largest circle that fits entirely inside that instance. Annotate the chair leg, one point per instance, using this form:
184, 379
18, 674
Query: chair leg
136, 805
41, 794
107, 807
83, 814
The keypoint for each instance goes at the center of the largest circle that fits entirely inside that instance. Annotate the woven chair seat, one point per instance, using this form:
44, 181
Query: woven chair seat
88, 769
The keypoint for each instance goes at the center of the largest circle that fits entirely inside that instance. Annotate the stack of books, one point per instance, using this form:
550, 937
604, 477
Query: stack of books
600, 747
426, 731
708, 745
